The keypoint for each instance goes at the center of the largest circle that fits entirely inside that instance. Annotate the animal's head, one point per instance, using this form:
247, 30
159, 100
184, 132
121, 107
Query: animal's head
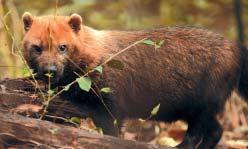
56, 45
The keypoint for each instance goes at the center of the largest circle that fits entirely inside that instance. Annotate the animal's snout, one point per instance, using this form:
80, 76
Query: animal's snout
50, 69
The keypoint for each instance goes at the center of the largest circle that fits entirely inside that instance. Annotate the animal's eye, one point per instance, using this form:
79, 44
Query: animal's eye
62, 48
37, 48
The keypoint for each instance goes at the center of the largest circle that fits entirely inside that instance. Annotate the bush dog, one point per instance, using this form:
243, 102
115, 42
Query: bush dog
190, 72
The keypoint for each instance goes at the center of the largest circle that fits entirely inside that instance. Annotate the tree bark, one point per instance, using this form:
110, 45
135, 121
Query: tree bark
22, 132
19, 131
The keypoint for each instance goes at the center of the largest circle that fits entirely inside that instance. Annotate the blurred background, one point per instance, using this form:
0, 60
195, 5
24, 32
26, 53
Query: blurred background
228, 17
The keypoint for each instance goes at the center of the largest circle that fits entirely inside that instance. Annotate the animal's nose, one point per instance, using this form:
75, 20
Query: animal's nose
51, 69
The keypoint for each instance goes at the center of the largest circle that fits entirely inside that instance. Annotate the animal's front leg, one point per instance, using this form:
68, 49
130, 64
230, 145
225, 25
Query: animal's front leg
109, 124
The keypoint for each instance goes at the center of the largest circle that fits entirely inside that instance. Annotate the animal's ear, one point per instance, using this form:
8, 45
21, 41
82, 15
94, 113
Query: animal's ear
27, 19
75, 21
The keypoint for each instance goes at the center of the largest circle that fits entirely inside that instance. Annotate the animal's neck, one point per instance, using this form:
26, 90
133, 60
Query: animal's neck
106, 43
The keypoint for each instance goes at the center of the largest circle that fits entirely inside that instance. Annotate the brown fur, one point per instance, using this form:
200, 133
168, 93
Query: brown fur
191, 75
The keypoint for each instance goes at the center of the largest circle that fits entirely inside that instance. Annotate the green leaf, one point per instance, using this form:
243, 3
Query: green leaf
84, 83
26, 72
50, 92
45, 103
67, 87
105, 90
75, 120
157, 46
161, 42
115, 122
99, 69
149, 42
115, 64
49, 75
99, 130
155, 110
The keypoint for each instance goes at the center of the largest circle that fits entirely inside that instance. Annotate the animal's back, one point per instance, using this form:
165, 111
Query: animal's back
193, 70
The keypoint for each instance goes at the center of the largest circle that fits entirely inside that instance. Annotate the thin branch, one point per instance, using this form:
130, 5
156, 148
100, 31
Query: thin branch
22, 57
92, 70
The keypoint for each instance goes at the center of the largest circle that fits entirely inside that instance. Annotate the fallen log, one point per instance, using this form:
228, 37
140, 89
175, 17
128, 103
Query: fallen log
16, 92
20, 131
23, 132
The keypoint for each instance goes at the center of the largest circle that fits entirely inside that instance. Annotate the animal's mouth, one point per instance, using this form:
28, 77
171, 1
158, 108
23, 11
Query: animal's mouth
49, 78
